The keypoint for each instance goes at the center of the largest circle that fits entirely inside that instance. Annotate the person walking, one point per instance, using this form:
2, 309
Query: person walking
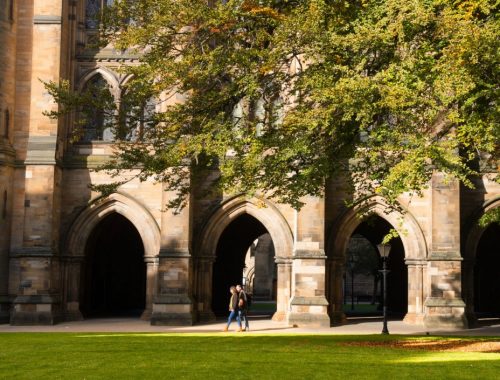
233, 309
243, 306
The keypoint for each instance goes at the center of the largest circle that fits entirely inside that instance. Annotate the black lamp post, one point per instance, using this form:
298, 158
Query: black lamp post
384, 250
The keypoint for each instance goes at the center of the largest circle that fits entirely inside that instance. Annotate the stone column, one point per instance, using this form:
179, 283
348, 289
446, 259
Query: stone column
151, 284
8, 41
71, 272
172, 303
416, 298
35, 242
308, 304
203, 270
284, 265
37, 302
335, 294
444, 306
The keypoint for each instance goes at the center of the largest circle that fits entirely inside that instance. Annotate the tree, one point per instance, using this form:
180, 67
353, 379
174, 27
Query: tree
279, 96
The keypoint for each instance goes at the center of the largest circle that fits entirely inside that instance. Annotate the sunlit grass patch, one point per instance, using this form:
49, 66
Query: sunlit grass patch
240, 356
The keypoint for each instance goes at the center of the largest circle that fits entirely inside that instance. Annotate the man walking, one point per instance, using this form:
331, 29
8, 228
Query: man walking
243, 306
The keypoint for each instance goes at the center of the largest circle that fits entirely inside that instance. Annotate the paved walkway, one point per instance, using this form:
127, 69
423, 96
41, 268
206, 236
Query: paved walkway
356, 326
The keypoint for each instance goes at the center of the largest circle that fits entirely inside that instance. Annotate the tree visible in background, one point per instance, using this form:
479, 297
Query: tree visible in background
281, 95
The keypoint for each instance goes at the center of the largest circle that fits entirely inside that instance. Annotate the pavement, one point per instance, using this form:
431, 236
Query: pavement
258, 325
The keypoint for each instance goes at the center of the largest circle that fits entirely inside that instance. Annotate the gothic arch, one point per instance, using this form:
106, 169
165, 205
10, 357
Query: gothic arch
415, 249
411, 234
78, 237
108, 76
142, 220
205, 250
475, 231
262, 210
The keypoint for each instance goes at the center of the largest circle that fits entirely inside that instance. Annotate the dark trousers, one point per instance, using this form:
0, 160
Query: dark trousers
243, 316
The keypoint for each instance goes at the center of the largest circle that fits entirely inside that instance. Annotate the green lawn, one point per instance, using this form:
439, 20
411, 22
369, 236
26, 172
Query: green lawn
230, 356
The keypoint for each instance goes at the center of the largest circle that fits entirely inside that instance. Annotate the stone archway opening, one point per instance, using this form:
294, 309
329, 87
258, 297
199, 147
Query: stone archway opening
487, 273
363, 283
113, 281
245, 254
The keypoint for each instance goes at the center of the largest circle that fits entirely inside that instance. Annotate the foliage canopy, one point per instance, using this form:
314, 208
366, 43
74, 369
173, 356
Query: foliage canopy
281, 95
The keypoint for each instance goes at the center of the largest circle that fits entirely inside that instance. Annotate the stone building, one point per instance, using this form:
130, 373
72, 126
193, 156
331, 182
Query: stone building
68, 254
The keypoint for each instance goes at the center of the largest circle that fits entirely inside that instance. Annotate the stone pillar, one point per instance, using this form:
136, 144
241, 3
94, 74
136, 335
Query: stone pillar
71, 272
8, 41
37, 302
203, 270
172, 302
35, 243
284, 265
308, 306
416, 297
151, 284
335, 295
444, 306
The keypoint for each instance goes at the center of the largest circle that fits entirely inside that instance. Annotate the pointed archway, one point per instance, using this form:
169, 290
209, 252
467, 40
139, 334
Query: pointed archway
412, 253
114, 271
82, 248
487, 273
237, 255
362, 271
263, 216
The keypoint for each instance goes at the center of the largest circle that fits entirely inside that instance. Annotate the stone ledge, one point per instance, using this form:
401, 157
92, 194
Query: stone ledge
315, 300
47, 20
309, 254
32, 252
445, 256
443, 302
174, 253
36, 299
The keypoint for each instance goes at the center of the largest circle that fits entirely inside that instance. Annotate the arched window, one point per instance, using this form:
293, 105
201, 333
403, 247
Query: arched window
137, 116
97, 115
93, 12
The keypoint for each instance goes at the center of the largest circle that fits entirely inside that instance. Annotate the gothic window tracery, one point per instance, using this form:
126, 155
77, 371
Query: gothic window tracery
97, 115
93, 11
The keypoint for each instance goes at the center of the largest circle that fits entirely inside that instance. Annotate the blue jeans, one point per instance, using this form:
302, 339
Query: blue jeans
232, 314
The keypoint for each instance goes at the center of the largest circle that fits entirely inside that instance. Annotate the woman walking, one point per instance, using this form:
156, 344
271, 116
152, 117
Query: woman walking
233, 309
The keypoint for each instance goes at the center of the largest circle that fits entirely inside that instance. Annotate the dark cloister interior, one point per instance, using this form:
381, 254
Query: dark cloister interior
114, 273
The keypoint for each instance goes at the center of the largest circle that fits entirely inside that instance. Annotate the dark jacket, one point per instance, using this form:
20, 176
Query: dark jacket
242, 296
233, 302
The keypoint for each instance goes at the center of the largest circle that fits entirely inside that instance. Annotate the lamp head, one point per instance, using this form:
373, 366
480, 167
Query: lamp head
384, 250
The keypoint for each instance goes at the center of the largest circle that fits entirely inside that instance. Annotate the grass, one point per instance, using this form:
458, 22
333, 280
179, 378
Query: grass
362, 308
231, 356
